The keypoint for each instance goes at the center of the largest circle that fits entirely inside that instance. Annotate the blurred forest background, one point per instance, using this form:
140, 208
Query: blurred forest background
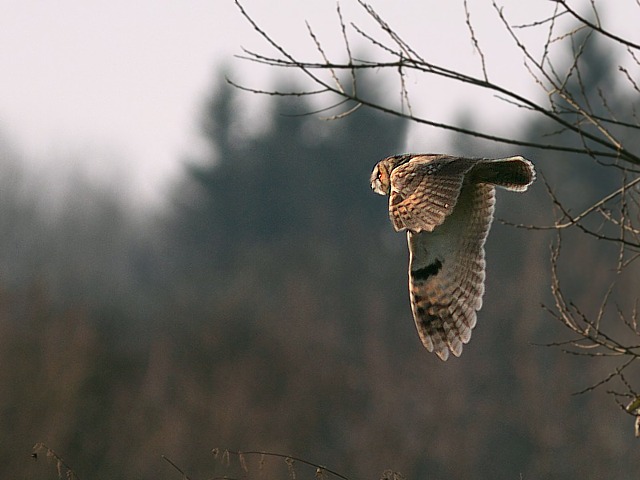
267, 309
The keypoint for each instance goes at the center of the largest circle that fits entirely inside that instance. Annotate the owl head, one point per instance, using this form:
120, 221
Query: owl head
381, 175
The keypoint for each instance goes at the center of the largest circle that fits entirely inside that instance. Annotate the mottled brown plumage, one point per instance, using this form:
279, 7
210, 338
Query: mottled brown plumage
446, 205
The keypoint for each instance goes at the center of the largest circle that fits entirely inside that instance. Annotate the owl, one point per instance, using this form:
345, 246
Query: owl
446, 205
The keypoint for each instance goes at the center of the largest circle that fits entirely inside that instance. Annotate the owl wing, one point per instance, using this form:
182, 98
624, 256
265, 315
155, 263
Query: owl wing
447, 271
424, 191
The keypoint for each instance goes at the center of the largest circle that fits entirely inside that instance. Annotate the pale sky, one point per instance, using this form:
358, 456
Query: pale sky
117, 86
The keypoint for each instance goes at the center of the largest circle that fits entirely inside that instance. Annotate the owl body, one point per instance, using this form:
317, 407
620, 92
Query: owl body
446, 206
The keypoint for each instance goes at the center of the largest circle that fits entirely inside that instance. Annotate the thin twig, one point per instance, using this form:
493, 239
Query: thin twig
170, 462
608, 378
596, 27
286, 458
474, 40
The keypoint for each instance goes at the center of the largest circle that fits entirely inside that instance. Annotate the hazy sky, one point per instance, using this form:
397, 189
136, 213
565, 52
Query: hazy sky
119, 85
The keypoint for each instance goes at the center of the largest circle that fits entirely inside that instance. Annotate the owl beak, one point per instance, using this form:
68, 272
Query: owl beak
375, 183
376, 186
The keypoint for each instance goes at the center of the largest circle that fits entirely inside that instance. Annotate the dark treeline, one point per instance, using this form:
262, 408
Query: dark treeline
267, 309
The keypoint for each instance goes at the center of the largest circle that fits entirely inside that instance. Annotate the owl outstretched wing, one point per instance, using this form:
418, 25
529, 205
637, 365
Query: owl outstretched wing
447, 271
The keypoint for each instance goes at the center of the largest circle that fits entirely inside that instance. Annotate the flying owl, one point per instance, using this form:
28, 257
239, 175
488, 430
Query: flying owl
446, 205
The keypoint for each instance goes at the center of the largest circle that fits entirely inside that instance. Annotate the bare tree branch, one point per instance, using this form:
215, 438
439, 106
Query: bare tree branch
408, 59
596, 28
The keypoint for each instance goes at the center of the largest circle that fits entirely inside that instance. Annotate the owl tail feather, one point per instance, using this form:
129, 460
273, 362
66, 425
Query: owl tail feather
513, 173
